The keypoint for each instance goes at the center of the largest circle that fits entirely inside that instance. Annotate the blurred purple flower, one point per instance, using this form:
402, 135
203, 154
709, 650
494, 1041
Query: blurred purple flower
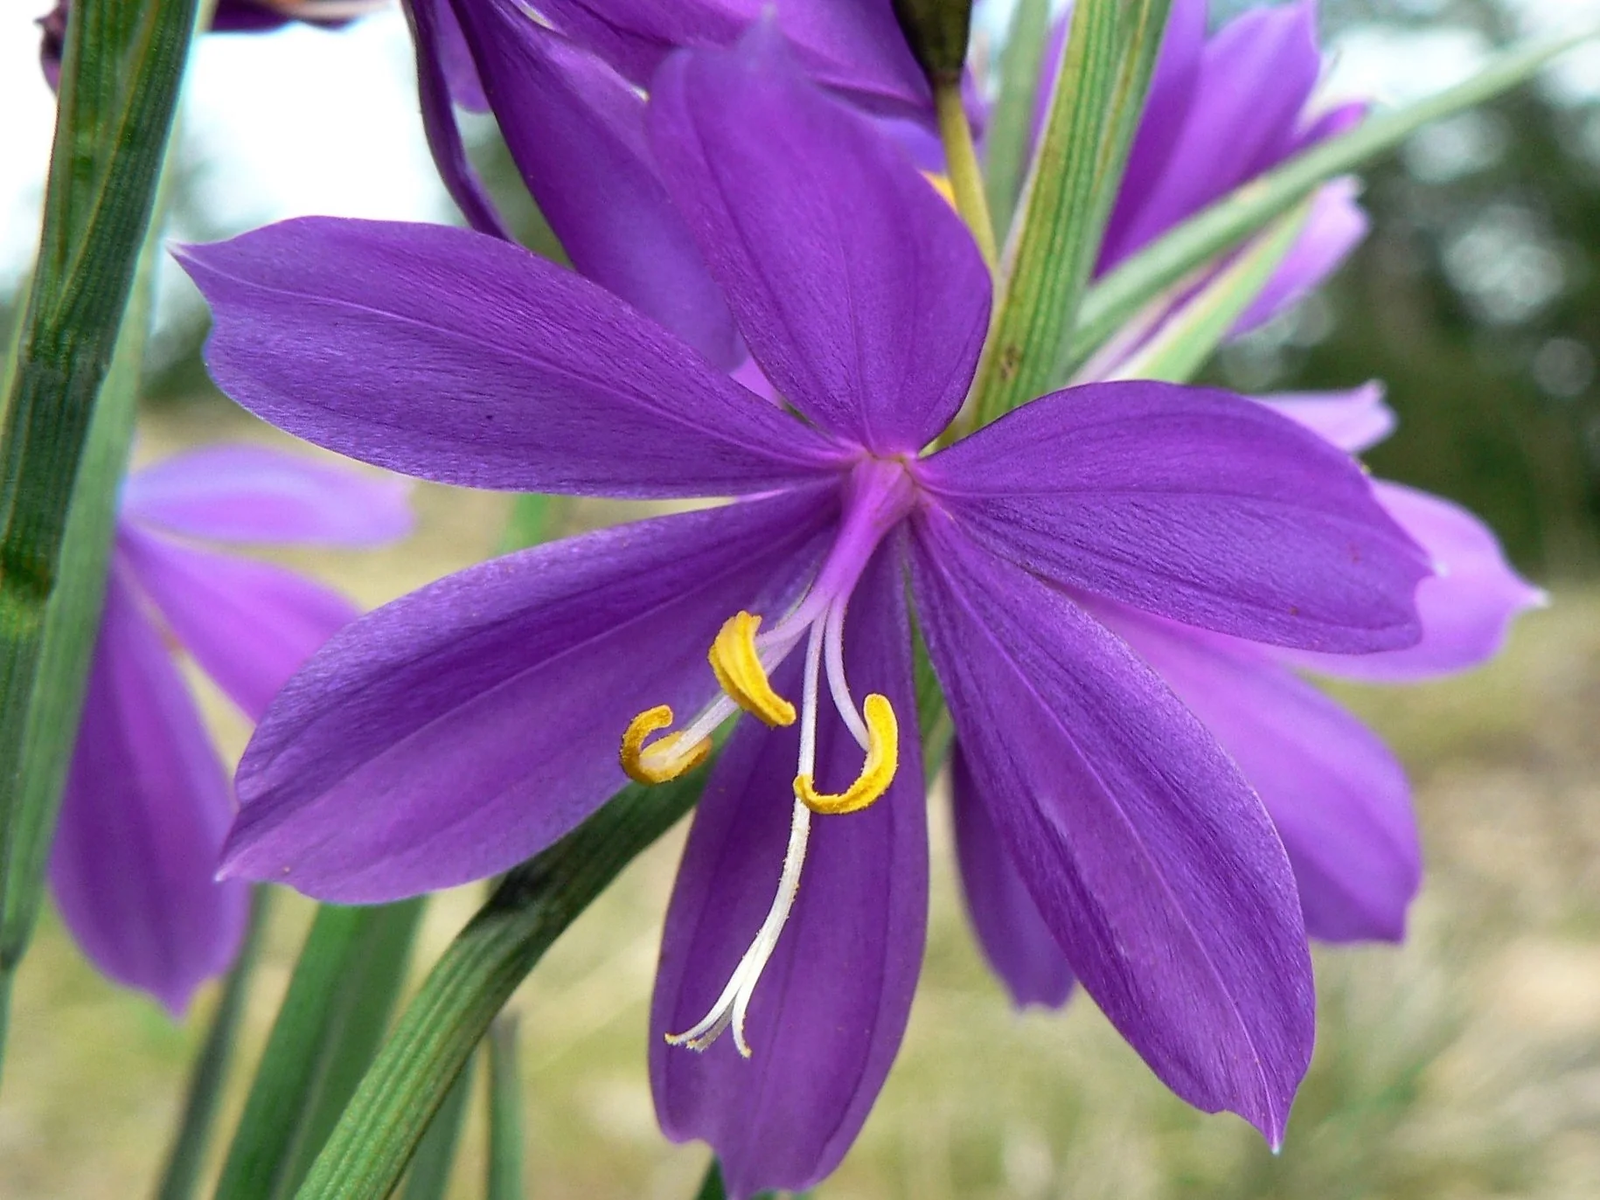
470, 724
147, 802
231, 16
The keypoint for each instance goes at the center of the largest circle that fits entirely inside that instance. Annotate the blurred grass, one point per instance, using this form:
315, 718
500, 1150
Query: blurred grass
1466, 1064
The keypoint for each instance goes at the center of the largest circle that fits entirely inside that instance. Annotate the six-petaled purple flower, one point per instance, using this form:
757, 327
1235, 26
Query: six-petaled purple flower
468, 725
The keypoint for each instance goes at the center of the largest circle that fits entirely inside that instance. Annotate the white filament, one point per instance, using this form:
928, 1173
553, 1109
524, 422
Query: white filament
732, 1006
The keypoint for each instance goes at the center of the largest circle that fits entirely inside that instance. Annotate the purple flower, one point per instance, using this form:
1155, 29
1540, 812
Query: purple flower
468, 725
147, 801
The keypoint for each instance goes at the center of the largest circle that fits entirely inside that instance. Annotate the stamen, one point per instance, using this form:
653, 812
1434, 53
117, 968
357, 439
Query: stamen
666, 757
732, 1006
837, 684
883, 753
740, 671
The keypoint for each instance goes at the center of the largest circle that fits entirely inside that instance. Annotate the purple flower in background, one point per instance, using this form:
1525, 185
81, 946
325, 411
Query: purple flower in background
468, 725
147, 802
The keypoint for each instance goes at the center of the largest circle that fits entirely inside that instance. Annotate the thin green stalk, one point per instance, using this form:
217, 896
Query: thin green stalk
505, 1111
1110, 54
966, 179
429, 1176
68, 412
330, 1021
186, 1156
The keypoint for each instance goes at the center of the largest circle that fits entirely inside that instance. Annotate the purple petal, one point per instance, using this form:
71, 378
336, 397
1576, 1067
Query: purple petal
830, 1008
576, 131
855, 285
446, 354
1160, 125
1148, 855
1013, 935
455, 60
437, 36
252, 494
468, 725
1243, 116
1338, 798
1466, 608
1334, 227
142, 820
1355, 420
1194, 504
854, 47
248, 624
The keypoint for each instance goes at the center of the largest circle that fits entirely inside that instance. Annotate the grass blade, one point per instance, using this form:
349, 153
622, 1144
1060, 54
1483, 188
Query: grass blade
429, 1177
338, 1004
69, 405
505, 1112
180, 1176
1110, 55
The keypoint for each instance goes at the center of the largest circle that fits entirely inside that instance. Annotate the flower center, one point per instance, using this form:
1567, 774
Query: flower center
878, 495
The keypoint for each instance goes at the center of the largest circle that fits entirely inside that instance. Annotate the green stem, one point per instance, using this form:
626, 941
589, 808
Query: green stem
505, 1111
186, 1156
966, 178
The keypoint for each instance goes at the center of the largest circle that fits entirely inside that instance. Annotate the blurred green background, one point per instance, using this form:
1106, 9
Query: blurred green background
1465, 1064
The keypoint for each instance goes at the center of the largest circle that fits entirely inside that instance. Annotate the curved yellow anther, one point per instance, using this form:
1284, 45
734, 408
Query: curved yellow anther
662, 759
738, 669
883, 756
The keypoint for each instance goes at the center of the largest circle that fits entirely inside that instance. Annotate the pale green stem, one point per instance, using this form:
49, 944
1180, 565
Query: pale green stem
966, 179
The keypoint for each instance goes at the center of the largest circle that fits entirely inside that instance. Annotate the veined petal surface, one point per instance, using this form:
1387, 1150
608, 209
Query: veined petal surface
143, 816
453, 356
1011, 933
830, 1008
245, 493
250, 625
1149, 856
856, 286
1193, 504
576, 130
1338, 797
466, 726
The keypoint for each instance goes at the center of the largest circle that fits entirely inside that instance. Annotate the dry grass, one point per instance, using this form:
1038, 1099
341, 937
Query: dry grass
1466, 1064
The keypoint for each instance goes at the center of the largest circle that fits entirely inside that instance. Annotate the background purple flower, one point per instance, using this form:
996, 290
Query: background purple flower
147, 801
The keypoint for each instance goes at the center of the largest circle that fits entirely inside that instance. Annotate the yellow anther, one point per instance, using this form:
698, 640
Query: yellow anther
941, 184
662, 760
738, 669
883, 755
